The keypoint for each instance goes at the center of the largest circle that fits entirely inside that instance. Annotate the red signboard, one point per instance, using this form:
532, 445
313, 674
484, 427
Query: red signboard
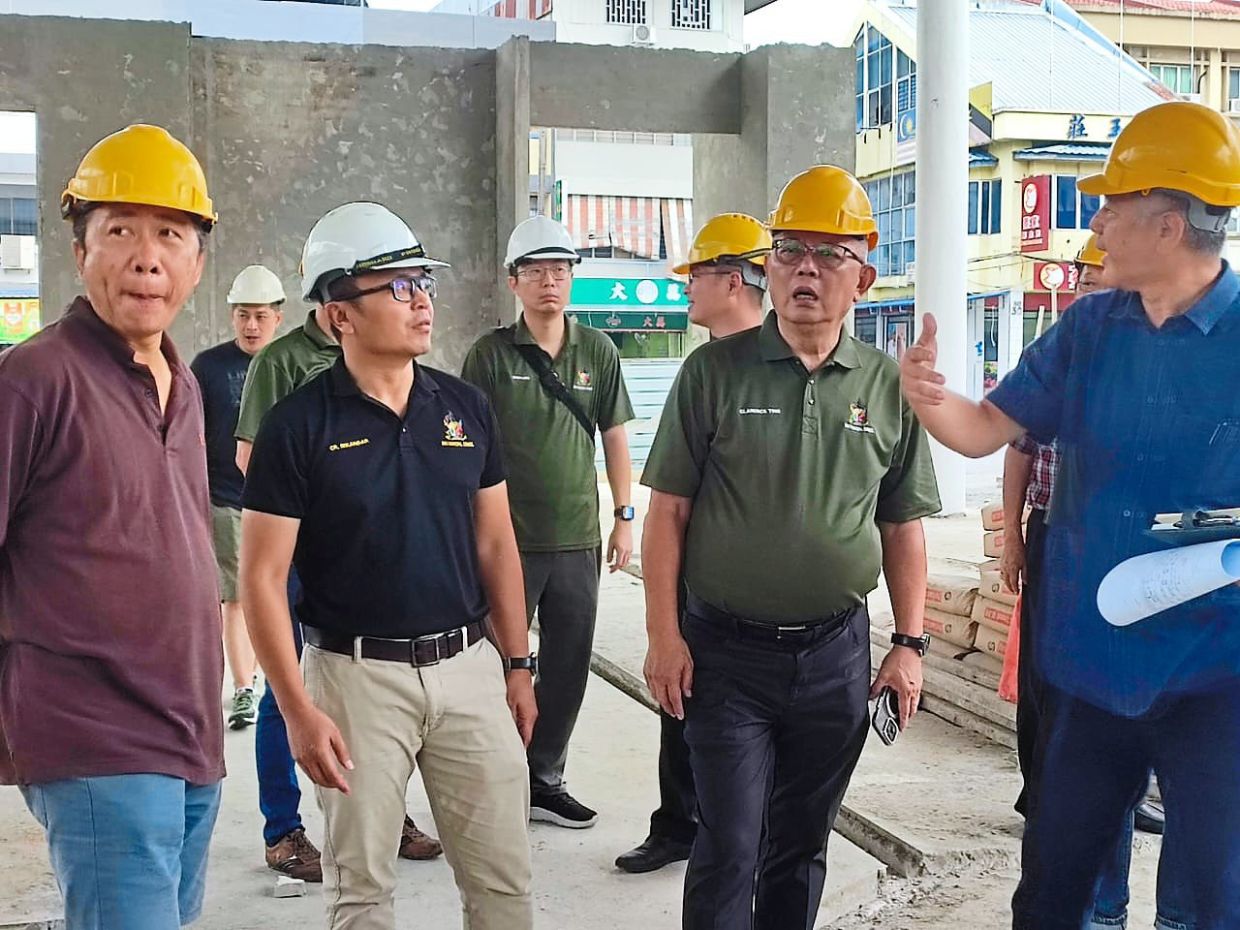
1035, 213
1054, 276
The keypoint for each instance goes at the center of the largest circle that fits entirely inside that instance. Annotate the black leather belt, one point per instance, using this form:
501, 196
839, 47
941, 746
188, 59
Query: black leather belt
758, 629
424, 650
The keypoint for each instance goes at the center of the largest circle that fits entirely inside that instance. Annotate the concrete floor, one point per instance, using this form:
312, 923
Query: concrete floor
959, 816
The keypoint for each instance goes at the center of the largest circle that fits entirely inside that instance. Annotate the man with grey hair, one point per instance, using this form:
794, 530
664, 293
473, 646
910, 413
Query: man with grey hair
1139, 387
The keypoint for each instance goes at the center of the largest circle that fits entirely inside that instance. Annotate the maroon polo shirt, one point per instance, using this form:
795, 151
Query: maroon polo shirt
110, 653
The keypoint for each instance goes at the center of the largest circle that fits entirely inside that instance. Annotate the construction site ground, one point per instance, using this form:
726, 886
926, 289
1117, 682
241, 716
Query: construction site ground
928, 839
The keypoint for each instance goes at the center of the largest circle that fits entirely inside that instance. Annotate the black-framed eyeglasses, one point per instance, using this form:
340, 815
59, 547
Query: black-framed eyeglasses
827, 255
402, 289
723, 271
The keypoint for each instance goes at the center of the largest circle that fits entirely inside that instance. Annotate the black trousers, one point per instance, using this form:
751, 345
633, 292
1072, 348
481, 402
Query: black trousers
676, 817
775, 728
563, 588
1030, 689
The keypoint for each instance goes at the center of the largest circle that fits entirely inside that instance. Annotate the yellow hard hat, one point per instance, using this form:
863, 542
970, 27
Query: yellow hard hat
141, 164
1178, 146
826, 199
728, 235
1090, 254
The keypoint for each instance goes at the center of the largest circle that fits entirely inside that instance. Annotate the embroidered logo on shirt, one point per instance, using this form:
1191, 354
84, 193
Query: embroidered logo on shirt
858, 418
582, 381
349, 444
454, 433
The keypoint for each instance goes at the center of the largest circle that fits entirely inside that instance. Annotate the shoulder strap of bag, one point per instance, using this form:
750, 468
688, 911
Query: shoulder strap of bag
538, 360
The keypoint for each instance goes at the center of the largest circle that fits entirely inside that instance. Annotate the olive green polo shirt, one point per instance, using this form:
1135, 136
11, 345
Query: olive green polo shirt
279, 369
552, 484
789, 472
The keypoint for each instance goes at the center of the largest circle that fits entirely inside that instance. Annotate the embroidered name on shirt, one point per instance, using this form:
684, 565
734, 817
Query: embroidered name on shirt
454, 433
759, 411
351, 444
520, 377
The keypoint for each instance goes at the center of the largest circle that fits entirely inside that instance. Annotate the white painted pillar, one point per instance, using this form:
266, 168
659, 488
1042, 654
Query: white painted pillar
942, 205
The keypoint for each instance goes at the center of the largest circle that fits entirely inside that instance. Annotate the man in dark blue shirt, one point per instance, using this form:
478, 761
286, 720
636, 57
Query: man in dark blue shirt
255, 299
1141, 389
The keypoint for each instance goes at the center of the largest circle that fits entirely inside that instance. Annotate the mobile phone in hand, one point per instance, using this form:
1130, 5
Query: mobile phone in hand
886, 719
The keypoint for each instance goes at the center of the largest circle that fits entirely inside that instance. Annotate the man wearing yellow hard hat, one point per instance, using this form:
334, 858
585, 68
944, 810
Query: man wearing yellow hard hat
727, 281
110, 654
785, 473
727, 277
1138, 385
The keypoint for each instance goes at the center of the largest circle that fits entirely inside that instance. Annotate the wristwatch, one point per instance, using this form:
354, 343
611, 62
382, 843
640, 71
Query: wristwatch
529, 662
625, 513
920, 643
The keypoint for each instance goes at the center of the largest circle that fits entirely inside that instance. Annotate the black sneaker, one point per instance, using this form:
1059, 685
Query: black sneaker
563, 810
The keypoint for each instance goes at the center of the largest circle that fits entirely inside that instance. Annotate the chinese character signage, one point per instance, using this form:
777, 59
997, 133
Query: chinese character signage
1054, 276
655, 321
19, 319
1035, 213
628, 293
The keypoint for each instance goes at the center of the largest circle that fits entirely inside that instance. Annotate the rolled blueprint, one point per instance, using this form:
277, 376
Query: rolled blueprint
1145, 585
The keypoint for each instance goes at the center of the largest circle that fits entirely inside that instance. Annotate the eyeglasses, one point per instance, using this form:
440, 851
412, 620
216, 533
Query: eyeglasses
402, 289
535, 273
727, 272
828, 256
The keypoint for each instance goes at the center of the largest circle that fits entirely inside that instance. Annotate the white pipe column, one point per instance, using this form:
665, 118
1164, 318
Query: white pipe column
942, 205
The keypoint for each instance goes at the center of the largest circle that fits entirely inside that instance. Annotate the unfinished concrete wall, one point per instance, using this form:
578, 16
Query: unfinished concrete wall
796, 110
287, 131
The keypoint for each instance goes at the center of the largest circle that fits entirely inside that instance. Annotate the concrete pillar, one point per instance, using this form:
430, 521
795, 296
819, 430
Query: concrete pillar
942, 198
512, 159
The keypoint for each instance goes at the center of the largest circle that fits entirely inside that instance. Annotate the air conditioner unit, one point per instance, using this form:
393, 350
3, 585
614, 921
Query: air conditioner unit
17, 252
1191, 98
643, 34
1233, 106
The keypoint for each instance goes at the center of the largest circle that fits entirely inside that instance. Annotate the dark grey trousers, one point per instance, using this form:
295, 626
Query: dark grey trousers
563, 588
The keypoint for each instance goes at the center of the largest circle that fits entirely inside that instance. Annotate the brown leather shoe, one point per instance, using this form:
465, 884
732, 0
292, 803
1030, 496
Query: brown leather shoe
295, 856
414, 844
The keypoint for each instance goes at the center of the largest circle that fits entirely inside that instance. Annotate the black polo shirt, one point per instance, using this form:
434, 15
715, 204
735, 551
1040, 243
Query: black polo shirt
386, 545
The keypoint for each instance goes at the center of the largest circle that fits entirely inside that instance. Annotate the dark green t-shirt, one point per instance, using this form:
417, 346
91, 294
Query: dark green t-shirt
789, 472
281, 368
552, 484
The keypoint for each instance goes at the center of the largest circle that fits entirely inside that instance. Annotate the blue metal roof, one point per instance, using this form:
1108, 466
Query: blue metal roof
1045, 63
1064, 151
980, 158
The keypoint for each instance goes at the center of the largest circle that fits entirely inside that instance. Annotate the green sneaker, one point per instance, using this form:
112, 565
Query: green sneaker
244, 709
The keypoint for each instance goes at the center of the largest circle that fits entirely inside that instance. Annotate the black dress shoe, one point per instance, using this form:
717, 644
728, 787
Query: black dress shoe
1149, 818
652, 855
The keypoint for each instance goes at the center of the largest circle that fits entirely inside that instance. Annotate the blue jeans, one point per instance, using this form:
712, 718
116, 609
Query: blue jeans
1111, 903
128, 850
1094, 769
279, 796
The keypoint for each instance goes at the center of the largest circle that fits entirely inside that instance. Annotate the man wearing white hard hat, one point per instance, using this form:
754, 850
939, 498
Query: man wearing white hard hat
382, 482
254, 301
278, 370
553, 384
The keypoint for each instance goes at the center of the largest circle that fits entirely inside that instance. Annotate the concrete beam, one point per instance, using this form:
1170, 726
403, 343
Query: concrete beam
512, 160
643, 90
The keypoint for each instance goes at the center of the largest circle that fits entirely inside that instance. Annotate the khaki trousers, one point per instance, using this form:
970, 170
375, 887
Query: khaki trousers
452, 721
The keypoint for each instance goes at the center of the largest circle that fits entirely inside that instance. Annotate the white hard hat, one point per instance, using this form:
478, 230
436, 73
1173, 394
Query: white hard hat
357, 237
540, 237
256, 285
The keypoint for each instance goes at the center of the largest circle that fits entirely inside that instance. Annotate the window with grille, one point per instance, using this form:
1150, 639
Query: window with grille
627, 12
690, 14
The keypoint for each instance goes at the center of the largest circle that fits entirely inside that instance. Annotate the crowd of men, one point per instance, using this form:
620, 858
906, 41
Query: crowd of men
378, 536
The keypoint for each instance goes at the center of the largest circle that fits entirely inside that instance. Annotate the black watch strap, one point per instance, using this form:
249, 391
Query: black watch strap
920, 643
529, 662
